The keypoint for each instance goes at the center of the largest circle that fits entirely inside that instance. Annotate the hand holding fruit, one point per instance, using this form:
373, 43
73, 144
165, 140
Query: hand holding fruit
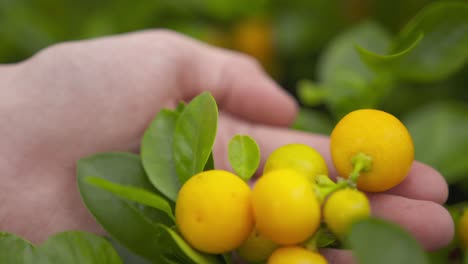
100, 95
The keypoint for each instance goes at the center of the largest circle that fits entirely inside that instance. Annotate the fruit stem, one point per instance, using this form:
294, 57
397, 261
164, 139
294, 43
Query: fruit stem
361, 163
325, 186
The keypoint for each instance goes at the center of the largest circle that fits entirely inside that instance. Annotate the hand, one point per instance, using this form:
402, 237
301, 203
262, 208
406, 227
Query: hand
75, 99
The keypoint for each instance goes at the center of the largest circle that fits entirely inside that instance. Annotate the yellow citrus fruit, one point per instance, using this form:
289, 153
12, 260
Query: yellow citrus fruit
285, 207
256, 248
343, 208
214, 211
462, 229
383, 138
295, 255
299, 157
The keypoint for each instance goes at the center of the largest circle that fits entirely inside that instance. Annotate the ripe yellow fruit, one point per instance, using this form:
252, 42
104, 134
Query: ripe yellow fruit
296, 255
299, 157
285, 207
383, 138
343, 208
214, 211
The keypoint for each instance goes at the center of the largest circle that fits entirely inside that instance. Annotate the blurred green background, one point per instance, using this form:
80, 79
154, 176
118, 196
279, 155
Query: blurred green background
296, 41
309, 48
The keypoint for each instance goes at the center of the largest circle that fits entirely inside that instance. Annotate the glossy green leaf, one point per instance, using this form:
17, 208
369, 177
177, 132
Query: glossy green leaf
140, 228
194, 136
133, 194
377, 241
443, 50
67, 247
189, 254
127, 256
439, 132
382, 62
244, 156
157, 153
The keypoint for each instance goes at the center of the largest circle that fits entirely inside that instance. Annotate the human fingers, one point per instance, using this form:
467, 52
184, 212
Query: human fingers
429, 222
338, 256
237, 81
422, 183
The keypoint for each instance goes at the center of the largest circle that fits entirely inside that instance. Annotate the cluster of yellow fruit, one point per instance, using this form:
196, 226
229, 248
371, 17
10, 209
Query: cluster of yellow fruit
277, 221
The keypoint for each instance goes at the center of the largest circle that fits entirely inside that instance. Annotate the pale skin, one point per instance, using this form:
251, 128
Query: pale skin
75, 99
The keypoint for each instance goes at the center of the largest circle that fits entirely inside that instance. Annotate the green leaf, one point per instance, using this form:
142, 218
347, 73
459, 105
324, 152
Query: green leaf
190, 255
440, 138
127, 256
157, 153
443, 50
14, 249
133, 194
140, 228
67, 247
377, 241
194, 136
381, 62
244, 156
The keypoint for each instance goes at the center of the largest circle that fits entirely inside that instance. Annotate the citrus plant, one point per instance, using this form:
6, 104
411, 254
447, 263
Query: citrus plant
169, 204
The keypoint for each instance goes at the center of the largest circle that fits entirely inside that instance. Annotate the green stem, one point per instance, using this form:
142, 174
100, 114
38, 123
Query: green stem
361, 163
323, 192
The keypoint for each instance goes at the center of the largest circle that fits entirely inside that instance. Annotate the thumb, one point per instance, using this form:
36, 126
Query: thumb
239, 85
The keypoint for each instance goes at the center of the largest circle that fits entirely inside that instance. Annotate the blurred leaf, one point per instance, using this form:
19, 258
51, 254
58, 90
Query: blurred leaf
439, 132
313, 121
157, 153
133, 194
348, 82
309, 93
381, 62
67, 247
377, 241
227, 10
443, 49
194, 136
341, 56
132, 224
299, 27
244, 156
